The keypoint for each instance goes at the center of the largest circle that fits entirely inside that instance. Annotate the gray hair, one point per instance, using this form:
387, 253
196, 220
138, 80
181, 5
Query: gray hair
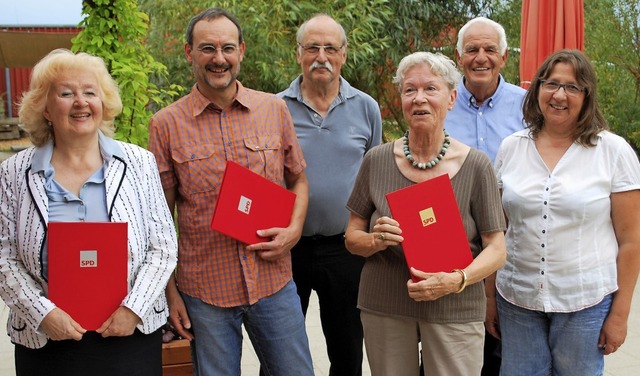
302, 28
440, 65
502, 36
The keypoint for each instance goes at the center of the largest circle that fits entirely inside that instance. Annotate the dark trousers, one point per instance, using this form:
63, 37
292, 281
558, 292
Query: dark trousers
492, 358
134, 355
323, 264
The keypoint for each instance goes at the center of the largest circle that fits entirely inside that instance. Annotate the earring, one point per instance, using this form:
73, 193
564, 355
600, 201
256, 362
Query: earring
49, 123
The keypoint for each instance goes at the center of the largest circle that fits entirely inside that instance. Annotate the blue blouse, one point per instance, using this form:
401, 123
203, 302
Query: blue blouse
64, 206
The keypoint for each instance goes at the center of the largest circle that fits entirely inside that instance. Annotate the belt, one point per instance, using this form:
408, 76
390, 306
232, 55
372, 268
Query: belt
323, 238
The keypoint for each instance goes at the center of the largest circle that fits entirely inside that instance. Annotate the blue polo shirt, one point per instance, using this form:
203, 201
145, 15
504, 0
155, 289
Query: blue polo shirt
483, 127
333, 147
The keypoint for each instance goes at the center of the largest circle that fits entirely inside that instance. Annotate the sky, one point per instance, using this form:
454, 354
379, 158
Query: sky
40, 12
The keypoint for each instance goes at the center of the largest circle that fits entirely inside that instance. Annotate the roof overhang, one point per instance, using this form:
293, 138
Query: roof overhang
23, 49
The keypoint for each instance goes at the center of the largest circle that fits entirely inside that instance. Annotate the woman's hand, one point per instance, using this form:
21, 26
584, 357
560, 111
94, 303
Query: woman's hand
121, 323
612, 334
388, 231
58, 325
359, 241
433, 285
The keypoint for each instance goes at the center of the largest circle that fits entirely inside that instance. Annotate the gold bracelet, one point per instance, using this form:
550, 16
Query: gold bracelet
463, 284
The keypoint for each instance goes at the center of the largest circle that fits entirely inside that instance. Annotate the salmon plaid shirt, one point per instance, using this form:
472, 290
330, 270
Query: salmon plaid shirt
192, 139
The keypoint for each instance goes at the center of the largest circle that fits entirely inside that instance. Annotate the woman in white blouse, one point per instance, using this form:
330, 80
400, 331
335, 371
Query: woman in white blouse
571, 194
75, 172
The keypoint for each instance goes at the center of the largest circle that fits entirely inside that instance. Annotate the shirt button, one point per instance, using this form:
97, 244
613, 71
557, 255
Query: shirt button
542, 259
542, 245
544, 231
546, 189
545, 202
544, 216
542, 272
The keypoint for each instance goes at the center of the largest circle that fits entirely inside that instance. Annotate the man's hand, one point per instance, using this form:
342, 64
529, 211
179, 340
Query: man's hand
282, 240
178, 317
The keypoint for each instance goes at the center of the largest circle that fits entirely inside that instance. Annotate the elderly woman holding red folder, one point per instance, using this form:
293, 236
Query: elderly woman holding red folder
76, 173
445, 311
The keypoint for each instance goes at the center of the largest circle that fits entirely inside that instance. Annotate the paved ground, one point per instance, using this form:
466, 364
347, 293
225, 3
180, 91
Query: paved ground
625, 362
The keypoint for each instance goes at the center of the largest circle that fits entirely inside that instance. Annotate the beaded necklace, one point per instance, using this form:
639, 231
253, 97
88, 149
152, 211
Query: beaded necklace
430, 164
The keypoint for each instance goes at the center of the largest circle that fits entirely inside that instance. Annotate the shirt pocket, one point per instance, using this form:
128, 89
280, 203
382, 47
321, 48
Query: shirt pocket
265, 156
198, 168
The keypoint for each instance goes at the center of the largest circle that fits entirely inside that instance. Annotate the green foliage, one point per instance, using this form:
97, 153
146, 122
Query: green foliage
116, 31
269, 29
415, 26
612, 33
508, 14
379, 34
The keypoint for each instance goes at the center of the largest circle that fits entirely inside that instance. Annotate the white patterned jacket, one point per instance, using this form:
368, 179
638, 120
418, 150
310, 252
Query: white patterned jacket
134, 195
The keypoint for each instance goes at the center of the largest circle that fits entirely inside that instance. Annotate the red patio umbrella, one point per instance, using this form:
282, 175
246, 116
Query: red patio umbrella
548, 26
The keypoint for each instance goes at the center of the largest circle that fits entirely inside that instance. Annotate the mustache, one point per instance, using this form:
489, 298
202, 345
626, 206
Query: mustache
327, 65
216, 66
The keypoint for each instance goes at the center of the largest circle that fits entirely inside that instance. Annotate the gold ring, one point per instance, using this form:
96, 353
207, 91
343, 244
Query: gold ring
381, 236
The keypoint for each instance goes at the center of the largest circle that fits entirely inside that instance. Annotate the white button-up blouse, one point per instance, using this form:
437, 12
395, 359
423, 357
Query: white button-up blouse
561, 245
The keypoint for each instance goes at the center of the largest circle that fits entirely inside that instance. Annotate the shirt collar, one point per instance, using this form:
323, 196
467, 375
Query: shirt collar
468, 98
42, 155
201, 103
293, 91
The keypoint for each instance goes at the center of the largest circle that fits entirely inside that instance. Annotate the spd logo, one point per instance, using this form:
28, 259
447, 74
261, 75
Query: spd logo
427, 217
89, 259
244, 205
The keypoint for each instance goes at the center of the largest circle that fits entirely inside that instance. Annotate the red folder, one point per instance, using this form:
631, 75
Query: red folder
248, 202
434, 237
87, 269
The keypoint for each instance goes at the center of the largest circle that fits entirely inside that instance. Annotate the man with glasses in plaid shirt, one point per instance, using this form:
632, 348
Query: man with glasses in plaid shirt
220, 283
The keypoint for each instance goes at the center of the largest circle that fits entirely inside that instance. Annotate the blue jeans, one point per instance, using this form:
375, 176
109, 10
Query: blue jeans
275, 325
536, 343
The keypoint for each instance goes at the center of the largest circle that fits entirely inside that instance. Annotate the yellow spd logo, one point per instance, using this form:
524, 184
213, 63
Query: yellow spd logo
427, 217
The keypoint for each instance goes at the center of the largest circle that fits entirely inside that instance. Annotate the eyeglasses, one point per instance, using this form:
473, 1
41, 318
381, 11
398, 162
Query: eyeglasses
569, 89
314, 49
227, 49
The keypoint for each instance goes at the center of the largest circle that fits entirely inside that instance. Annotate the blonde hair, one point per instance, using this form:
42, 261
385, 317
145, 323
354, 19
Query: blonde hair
43, 76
